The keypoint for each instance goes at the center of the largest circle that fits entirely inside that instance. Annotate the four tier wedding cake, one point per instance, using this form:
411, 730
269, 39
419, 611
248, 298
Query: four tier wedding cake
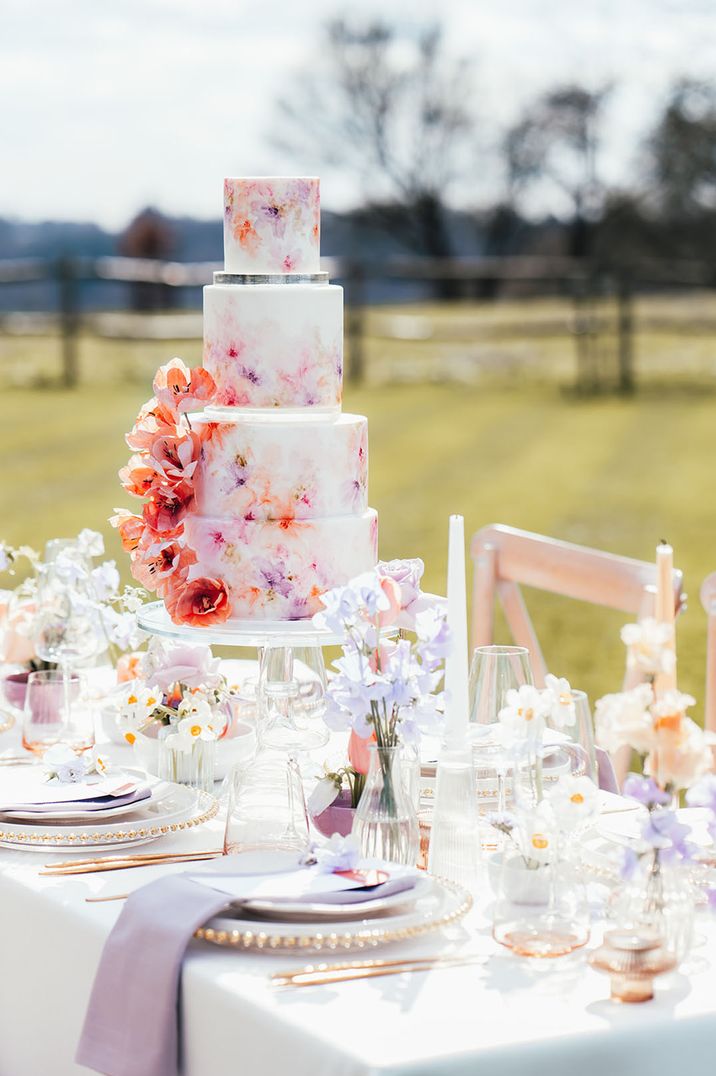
256, 504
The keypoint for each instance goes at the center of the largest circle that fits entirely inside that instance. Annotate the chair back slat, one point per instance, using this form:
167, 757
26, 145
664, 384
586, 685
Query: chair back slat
708, 600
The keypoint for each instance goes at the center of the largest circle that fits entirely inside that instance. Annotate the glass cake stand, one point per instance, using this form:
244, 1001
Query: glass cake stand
290, 691
155, 620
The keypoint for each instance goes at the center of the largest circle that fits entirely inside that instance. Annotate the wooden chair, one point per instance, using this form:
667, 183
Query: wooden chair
708, 600
503, 558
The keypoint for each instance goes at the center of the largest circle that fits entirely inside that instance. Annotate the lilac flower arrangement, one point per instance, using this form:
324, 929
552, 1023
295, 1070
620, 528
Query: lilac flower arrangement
382, 687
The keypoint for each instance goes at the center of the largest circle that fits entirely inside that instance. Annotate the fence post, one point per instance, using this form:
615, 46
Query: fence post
67, 281
355, 322
625, 320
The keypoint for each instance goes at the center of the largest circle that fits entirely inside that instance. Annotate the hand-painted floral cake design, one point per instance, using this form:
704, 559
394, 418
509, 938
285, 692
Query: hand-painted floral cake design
269, 346
255, 470
278, 569
271, 225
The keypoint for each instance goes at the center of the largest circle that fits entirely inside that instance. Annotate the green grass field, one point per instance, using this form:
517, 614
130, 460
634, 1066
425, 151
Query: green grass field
613, 473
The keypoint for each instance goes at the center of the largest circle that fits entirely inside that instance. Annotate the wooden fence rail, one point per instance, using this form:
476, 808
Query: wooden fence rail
583, 281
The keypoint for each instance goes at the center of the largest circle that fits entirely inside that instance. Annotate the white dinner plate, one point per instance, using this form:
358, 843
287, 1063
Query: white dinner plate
181, 808
158, 789
303, 912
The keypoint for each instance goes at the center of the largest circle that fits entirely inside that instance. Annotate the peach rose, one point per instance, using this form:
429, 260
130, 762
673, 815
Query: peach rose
200, 601
391, 590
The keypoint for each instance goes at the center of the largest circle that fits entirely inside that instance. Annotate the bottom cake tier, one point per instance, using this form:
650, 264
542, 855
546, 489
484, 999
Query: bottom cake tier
278, 569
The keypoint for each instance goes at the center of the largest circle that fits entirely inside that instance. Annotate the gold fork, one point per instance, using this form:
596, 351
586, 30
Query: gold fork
129, 863
323, 974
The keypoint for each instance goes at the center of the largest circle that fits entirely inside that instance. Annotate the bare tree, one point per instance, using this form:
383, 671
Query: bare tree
392, 109
556, 142
682, 151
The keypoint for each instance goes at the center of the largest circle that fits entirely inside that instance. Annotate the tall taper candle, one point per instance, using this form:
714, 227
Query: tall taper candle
456, 671
665, 607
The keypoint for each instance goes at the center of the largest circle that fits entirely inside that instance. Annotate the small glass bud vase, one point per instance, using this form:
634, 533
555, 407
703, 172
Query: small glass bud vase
386, 822
194, 767
658, 898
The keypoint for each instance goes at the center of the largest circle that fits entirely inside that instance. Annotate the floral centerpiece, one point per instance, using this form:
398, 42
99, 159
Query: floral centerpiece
385, 691
68, 594
675, 754
180, 698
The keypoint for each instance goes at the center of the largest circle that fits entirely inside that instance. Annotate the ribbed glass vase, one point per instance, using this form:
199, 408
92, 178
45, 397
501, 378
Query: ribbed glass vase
194, 768
386, 822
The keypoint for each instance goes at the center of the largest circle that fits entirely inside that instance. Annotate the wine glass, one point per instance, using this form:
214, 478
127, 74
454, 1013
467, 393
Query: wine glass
56, 711
495, 670
68, 627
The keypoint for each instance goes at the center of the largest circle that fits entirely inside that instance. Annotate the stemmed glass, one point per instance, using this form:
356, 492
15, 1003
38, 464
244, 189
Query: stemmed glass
495, 670
67, 623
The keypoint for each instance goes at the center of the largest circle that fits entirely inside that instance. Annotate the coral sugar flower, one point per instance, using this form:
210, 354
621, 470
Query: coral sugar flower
168, 507
138, 478
154, 419
180, 389
130, 527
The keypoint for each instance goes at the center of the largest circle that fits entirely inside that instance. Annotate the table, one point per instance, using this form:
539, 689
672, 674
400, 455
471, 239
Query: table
506, 1018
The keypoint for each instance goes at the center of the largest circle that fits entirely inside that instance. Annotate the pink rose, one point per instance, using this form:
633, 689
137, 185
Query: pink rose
193, 666
406, 576
359, 752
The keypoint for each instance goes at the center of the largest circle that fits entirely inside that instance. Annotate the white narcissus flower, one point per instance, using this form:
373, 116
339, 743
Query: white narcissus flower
624, 719
198, 720
136, 705
523, 715
573, 801
560, 701
650, 646
100, 761
538, 841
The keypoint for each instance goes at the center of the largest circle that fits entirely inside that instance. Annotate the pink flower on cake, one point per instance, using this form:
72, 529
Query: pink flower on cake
180, 389
154, 562
168, 507
153, 419
175, 456
200, 601
130, 527
138, 478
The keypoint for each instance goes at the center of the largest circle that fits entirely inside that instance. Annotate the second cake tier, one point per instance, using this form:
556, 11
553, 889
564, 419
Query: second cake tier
274, 345
292, 469
278, 569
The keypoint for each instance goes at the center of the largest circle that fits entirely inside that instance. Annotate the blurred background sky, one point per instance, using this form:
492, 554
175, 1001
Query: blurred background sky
111, 107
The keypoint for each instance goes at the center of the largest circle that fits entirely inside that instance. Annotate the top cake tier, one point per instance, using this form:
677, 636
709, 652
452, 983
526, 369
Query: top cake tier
272, 225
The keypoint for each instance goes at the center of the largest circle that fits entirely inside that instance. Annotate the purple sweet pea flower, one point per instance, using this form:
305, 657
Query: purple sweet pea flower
645, 790
664, 832
711, 898
629, 864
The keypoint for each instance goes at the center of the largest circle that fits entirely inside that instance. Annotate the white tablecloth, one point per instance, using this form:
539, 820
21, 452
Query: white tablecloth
506, 1018
509, 1017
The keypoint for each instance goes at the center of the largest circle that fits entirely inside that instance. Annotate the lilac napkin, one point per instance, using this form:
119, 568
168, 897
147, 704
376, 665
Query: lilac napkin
100, 803
606, 774
131, 1025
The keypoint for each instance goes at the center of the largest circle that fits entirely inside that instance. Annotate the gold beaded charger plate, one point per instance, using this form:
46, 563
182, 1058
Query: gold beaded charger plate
181, 808
440, 904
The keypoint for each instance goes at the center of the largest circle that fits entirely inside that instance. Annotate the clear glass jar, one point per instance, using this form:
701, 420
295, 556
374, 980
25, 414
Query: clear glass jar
194, 767
386, 822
